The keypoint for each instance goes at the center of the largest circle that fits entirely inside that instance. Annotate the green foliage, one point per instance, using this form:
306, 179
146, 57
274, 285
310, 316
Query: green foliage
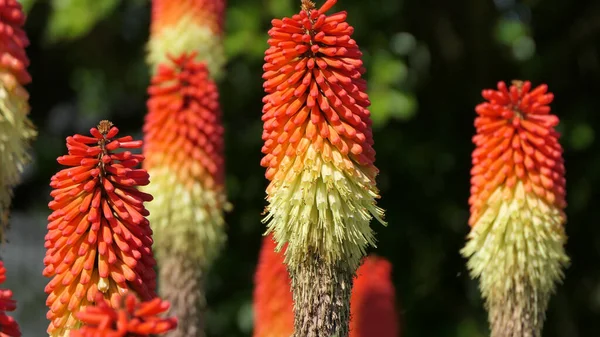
71, 19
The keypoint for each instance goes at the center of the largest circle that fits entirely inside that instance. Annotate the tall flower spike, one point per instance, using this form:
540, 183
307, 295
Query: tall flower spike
8, 325
516, 243
373, 311
16, 130
184, 26
98, 240
184, 151
130, 318
319, 158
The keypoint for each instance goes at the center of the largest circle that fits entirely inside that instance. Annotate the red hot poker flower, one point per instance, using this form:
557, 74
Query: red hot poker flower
319, 158
8, 325
516, 244
130, 318
16, 129
98, 237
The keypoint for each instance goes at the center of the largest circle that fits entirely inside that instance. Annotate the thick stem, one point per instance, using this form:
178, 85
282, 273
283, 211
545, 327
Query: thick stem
321, 297
520, 312
181, 282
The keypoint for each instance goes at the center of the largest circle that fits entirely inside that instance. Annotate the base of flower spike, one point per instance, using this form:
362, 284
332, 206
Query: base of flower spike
185, 36
187, 219
181, 282
317, 204
16, 131
321, 294
516, 249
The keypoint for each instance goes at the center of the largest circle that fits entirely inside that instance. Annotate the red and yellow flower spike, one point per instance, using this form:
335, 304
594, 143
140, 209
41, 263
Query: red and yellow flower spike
184, 151
184, 26
319, 158
16, 129
516, 243
99, 240
184, 155
130, 318
373, 309
8, 325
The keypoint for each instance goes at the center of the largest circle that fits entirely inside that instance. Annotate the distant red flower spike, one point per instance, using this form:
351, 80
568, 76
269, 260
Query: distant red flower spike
13, 41
184, 154
373, 305
516, 243
98, 237
167, 13
8, 325
373, 309
183, 136
183, 26
128, 319
16, 129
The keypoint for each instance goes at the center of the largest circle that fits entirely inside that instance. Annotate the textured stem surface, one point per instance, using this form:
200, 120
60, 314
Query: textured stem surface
518, 313
181, 282
321, 298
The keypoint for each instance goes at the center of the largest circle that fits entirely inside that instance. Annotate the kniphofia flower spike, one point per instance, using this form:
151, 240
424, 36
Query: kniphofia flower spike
16, 130
8, 325
184, 26
131, 318
319, 158
318, 141
516, 243
184, 155
98, 240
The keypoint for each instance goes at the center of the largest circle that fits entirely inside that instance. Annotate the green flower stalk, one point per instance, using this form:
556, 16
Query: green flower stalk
16, 130
319, 158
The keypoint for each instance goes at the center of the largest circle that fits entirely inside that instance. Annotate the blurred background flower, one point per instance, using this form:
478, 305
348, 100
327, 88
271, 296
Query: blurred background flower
426, 60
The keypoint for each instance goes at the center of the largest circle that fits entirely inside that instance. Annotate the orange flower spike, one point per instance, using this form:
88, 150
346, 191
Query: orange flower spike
373, 311
15, 127
516, 244
130, 318
98, 240
8, 325
184, 151
184, 26
184, 156
320, 160
318, 143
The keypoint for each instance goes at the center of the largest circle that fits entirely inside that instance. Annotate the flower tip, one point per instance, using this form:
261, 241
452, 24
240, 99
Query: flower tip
327, 6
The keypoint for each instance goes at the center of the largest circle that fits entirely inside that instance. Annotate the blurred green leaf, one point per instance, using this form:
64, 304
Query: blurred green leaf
282, 8
508, 31
244, 35
387, 69
70, 19
403, 43
391, 103
582, 136
523, 48
27, 4
92, 92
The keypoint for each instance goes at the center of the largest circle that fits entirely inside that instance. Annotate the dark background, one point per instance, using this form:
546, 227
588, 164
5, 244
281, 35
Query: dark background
427, 63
